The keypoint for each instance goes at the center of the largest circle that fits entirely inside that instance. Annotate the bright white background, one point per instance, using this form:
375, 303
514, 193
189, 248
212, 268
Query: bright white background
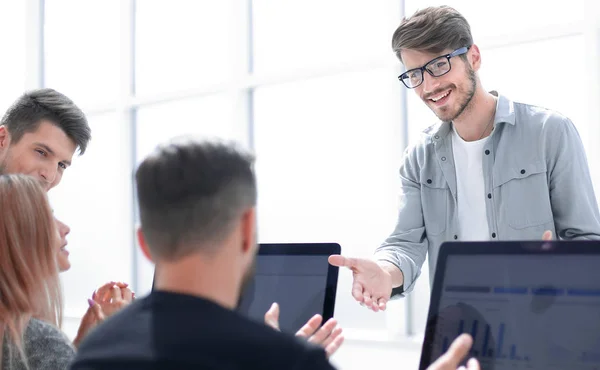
310, 85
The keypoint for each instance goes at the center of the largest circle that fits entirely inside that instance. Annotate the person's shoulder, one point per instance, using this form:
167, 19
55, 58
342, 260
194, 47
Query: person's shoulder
41, 332
172, 330
537, 117
46, 346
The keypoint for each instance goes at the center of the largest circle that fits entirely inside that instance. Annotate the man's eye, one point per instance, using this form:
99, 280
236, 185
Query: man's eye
41, 152
62, 165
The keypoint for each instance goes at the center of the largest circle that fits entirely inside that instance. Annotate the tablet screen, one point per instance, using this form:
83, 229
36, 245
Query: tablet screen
523, 311
298, 283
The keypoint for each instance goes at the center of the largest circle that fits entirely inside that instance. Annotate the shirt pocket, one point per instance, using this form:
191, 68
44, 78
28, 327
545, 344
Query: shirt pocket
434, 201
525, 197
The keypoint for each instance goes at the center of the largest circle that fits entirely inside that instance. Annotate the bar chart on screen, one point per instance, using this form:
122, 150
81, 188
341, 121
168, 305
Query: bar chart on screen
522, 327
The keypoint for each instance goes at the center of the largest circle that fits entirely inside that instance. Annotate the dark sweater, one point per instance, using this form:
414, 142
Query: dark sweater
169, 331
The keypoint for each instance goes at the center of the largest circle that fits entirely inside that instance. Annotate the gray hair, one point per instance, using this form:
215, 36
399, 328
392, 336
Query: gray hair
191, 193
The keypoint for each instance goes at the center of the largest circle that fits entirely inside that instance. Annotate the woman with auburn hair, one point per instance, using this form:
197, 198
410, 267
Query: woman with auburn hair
30, 291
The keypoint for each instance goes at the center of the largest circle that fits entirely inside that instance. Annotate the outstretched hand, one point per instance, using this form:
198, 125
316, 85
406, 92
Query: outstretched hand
371, 285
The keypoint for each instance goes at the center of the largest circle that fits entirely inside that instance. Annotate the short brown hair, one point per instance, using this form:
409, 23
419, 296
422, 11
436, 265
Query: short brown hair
432, 30
27, 112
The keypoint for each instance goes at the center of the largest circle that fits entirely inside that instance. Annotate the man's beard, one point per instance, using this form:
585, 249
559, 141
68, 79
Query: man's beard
5, 158
247, 283
467, 100
3, 165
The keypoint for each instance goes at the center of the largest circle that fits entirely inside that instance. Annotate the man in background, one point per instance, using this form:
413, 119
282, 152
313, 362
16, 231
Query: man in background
492, 169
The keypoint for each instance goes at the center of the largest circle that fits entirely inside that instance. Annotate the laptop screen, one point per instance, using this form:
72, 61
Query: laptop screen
297, 277
524, 311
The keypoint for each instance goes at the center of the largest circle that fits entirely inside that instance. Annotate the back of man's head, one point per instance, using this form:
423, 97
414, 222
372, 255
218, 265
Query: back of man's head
33, 107
192, 194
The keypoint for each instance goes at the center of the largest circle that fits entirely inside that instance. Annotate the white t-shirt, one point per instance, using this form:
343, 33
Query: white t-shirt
471, 196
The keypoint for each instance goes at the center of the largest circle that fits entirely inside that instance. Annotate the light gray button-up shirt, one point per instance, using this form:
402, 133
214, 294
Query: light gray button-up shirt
536, 178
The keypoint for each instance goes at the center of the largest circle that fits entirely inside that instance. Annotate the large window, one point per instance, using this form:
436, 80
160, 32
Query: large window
186, 45
82, 50
13, 43
327, 157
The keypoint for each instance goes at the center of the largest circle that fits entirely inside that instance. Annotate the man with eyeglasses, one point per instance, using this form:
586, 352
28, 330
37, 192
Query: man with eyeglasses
492, 169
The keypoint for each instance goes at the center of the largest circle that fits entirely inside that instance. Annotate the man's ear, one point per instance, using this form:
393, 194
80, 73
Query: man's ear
249, 230
143, 245
4, 138
475, 57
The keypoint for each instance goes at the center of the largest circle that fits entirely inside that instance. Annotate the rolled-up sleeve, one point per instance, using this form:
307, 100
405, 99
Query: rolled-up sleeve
574, 203
406, 247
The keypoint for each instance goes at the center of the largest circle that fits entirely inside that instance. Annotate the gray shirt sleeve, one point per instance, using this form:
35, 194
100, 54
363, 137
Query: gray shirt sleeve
407, 246
574, 203
46, 348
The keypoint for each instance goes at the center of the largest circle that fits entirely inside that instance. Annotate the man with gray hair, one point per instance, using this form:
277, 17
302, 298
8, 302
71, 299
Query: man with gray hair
492, 169
197, 205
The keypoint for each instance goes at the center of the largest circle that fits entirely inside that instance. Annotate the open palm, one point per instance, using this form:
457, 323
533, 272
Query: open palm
371, 284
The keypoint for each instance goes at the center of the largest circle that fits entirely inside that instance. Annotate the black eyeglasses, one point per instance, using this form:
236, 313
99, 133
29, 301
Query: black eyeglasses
436, 67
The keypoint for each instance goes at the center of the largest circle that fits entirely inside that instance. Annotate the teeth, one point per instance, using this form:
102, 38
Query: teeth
441, 96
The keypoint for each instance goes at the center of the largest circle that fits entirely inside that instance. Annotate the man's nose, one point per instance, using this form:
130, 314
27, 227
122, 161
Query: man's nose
48, 175
430, 83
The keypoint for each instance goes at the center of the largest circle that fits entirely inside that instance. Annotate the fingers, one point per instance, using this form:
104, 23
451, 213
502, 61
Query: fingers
457, 351
547, 235
103, 293
310, 327
473, 364
328, 336
272, 316
382, 304
336, 343
88, 318
115, 293
367, 299
357, 291
127, 294
325, 334
109, 291
370, 302
341, 261
96, 309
